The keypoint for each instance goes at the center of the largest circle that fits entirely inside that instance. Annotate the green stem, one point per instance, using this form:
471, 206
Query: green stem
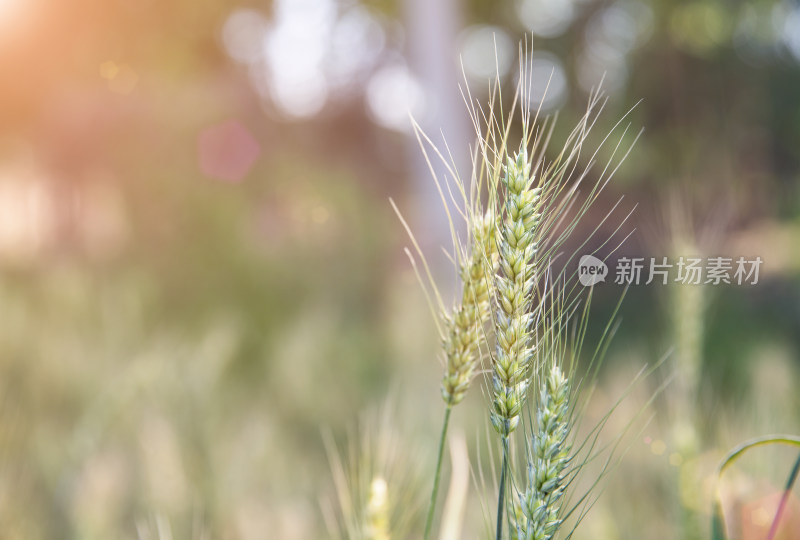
718, 531
502, 495
435, 493
773, 530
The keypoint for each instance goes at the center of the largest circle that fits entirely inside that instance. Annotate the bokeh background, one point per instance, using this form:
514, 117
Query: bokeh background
201, 273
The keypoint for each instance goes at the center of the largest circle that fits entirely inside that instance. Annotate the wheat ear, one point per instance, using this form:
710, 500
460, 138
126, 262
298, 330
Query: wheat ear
547, 464
377, 511
464, 332
516, 245
464, 329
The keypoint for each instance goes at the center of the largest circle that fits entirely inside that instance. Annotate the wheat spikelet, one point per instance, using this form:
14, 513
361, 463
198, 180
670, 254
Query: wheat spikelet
516, 245
464, 329
376, 481
377, 511
537, 514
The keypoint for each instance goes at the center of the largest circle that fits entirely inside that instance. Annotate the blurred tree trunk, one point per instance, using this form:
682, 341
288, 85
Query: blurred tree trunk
432, 28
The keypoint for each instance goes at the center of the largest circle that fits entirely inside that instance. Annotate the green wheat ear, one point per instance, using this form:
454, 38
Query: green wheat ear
464, 332
540, 504
377, 511
464, 329
516, 245
375, 480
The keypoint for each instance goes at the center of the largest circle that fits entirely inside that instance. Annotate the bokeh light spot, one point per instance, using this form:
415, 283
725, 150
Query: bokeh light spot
592, 69
486, 51
356, 43
320, 214
243, 34
227, 151
393, 93
124, 79
658, 447
791, 32
757, 517
546, 18
755, 34
611, 35
699, 28
108, 70
761, 517
294, 51
27, 210
548, 81
308, 53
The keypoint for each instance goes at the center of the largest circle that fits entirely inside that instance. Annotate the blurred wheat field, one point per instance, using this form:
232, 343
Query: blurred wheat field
204, 290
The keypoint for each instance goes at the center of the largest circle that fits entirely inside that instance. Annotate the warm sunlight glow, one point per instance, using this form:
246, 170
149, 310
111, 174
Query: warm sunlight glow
10, 10
15, 17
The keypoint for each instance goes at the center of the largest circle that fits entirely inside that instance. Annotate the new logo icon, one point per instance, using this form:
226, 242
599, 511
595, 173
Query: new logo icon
591, 271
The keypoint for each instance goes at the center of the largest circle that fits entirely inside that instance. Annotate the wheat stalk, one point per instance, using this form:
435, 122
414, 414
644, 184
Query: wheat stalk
464, 332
